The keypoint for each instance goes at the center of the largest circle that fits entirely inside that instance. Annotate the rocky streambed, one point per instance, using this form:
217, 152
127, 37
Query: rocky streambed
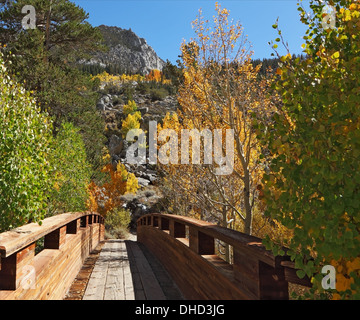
148, 198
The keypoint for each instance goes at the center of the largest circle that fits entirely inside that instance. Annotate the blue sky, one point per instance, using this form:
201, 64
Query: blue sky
165, 23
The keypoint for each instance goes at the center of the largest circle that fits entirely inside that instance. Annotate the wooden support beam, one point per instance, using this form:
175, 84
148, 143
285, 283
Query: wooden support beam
55, 239
272, 282
200, 242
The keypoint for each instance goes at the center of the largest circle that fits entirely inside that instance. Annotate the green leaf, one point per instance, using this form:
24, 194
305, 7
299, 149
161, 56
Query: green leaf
300, 273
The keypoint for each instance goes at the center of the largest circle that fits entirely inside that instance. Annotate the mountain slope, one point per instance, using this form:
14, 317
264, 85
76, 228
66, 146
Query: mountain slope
128, 52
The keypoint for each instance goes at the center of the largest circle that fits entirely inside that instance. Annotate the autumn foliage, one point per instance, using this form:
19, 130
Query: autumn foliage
221, 91
312, 186
106, 197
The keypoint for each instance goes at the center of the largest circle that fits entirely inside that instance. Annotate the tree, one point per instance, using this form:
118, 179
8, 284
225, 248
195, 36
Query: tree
25, 139
106, 197
71, 174
43, 62
312, 186
221, 91
61, 27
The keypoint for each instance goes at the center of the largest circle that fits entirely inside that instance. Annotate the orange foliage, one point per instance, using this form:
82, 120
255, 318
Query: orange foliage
154, 75
107, 197
345, 269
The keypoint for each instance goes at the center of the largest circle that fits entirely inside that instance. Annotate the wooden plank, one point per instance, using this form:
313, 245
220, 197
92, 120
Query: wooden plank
128, 281
111, 278
150, 284
291, 276
96, 287
114, 286
138, 290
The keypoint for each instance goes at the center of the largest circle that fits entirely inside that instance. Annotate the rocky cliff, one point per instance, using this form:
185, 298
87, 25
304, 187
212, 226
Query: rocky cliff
127, 52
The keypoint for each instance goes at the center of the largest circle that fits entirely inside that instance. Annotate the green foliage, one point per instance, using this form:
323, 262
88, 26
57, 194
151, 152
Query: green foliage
25, 137
71, 175
117, 217
173, 73
69, 36
313, 186
158, 94
117, 223
43, 61
156, 90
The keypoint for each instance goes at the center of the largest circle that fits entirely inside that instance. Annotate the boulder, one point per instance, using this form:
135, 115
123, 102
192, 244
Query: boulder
116, 145
143, 182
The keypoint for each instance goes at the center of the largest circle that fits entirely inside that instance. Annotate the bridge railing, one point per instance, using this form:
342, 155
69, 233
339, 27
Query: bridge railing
65, 239
186, 247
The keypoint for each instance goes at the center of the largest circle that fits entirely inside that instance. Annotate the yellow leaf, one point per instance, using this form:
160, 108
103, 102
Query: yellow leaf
336, 55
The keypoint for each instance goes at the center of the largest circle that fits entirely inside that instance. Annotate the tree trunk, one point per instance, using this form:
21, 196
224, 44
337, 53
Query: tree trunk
225, 225
248, 218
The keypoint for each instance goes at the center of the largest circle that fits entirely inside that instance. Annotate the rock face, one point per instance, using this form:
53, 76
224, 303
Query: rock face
127, 51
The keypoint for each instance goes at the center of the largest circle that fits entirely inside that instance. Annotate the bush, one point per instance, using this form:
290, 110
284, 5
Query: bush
158, 94
132, 121
130, 107
117, 223
25, 137
111, 88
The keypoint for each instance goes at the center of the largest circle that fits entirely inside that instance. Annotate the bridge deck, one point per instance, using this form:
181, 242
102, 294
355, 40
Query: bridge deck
126, 270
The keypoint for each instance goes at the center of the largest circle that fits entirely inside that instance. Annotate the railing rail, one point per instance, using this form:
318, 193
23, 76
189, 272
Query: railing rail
68, 240
186, 247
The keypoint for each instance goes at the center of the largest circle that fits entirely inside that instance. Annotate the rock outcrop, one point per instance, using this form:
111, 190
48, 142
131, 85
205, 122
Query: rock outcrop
127, 52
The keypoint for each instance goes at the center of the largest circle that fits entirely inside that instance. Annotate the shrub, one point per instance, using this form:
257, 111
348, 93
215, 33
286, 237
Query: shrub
132, 121
117, 223
130, 107
158, 94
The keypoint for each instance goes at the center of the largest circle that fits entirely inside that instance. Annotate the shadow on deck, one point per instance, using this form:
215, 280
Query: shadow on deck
123, 270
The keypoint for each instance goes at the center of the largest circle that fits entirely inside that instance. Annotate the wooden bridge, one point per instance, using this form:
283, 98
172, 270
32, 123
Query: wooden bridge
173, 257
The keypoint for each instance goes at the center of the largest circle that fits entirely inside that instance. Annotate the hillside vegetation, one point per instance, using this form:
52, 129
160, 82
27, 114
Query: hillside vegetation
67, 104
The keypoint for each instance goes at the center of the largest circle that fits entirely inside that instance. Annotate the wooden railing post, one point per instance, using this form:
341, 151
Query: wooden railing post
15, 267
246, 272
200, 242
272, 282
